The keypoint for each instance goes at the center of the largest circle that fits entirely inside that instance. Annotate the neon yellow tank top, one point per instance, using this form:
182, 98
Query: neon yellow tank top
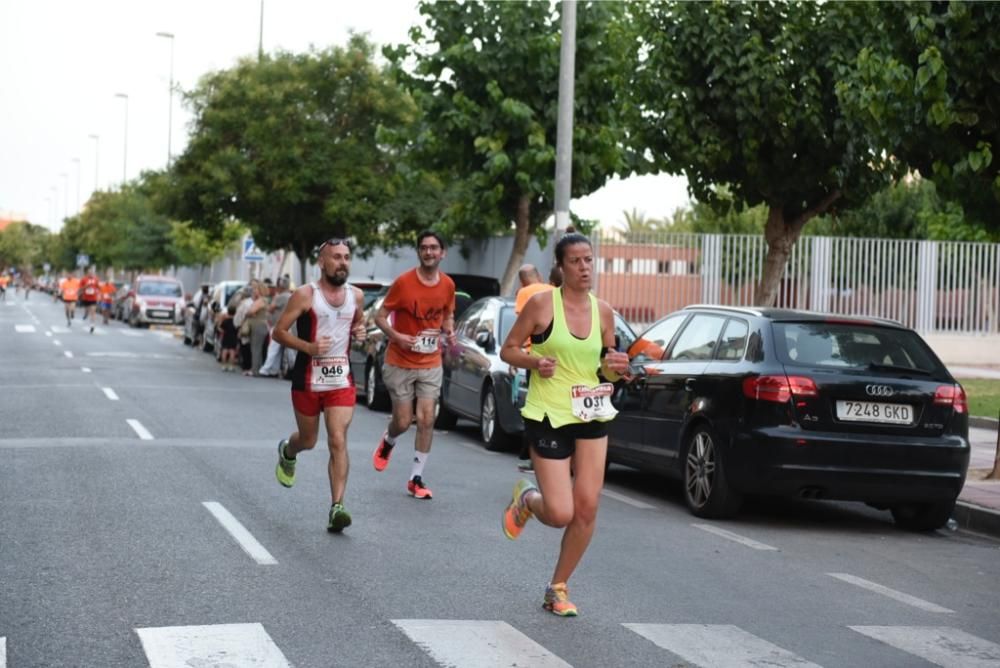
577, 363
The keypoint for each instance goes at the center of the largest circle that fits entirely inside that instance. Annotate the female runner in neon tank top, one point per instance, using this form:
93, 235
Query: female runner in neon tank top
566, 410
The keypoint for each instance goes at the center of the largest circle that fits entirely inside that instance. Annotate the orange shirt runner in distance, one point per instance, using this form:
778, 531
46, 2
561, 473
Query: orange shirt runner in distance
417, 308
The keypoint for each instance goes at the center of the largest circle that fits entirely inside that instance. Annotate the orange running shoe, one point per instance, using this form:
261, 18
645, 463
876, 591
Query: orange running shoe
517, 513
557, 601
417, 489
383, 451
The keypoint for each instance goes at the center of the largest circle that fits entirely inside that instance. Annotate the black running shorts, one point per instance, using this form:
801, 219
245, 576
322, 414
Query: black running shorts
551, 443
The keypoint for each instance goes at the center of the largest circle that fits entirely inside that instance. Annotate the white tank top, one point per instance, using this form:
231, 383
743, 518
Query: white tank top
332, 371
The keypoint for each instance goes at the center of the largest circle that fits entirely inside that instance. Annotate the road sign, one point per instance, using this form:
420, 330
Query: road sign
47, 267
250, 251
82, 260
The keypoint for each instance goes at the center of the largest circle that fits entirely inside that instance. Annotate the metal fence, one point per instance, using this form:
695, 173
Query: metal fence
932, 286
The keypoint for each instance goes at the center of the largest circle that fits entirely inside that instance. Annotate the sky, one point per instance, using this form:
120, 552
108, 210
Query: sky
63, 64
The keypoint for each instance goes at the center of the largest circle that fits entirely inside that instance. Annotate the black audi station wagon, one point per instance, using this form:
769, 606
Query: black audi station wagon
738, 401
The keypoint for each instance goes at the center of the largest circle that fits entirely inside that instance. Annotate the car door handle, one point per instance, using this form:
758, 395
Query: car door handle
689, 384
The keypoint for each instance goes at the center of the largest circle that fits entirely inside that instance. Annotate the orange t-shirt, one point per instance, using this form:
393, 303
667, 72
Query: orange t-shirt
419, 310
107, 292
70, 289
527, 292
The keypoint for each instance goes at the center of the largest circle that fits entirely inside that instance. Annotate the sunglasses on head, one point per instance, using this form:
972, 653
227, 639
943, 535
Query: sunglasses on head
335, 241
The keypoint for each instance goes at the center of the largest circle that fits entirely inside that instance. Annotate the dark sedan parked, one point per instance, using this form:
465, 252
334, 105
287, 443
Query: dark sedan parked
770, 401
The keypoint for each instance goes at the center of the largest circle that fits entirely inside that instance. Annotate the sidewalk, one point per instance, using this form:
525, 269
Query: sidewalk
978, 507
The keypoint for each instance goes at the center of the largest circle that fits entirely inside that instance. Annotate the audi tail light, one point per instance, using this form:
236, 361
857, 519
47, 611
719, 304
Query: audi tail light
779, 388
951, 395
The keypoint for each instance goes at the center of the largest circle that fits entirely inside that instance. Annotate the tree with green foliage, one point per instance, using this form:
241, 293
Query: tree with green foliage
121, 228
742, 95
287, 146
927, 87
22, 246
485, 76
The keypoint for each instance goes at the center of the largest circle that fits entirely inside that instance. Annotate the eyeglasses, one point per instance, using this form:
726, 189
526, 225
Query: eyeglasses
335, 241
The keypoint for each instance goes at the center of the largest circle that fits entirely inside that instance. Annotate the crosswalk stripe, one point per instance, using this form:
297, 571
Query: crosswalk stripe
230, 645
3, 653
891, 593
940, 645
60, 330
128, 332
718, 646
471, 643
24, 329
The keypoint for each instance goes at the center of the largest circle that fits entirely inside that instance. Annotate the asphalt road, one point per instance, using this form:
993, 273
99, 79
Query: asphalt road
120, 543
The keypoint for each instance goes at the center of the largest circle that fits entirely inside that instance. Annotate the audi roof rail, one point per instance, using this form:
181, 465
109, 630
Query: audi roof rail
737, 309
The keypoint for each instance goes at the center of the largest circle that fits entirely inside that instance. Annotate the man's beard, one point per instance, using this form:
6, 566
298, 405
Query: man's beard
337, 278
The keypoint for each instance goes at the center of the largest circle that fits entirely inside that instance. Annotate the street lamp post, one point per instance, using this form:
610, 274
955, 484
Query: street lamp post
170, 107
124, 96
77, 161
65, 177
97, 146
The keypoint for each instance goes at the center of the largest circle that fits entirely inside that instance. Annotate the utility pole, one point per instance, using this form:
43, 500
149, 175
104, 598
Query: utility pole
564, 127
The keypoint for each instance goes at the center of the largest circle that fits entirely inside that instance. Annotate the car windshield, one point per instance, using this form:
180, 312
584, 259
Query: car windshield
373, 292
160, 288
507, 318
231, 290
848, 345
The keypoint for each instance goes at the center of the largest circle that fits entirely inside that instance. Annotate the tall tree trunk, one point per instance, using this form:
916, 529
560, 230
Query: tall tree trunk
781, 236
522, 234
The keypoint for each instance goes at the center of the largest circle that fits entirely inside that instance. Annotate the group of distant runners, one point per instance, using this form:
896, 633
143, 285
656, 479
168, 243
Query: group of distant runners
89, 291
563, 336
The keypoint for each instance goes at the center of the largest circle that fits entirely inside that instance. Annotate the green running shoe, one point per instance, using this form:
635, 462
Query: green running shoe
285, 470
339, 520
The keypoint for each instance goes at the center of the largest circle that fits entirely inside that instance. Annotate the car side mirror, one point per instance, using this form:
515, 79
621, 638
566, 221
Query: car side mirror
485, 341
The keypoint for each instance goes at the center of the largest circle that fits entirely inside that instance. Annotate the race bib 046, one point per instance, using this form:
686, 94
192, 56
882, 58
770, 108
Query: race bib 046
332, 372
593, 403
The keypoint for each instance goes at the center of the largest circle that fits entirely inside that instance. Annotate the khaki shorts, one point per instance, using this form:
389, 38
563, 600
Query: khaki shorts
404, 384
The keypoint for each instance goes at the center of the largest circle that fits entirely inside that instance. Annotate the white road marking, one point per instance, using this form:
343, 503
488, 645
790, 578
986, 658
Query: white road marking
61, 330
891, 593
625, 499
735, 537
48, 333
3, 652
85, 369
246, 540
128, 332
67, 353
139, 429
24, 329
718, 646
109, 393
940, 645
229, 645
56, 342
477, 643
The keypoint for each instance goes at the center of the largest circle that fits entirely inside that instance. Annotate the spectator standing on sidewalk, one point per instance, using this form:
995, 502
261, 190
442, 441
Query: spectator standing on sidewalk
275, 351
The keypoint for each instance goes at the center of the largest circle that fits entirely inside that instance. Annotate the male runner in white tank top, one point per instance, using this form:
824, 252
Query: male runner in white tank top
327, 313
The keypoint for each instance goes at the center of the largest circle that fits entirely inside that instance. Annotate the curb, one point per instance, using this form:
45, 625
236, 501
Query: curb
976, 518
984, 422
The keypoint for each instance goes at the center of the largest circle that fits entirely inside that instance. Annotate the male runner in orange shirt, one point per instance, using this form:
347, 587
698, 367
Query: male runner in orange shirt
423, 303
91, 287
70, 291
